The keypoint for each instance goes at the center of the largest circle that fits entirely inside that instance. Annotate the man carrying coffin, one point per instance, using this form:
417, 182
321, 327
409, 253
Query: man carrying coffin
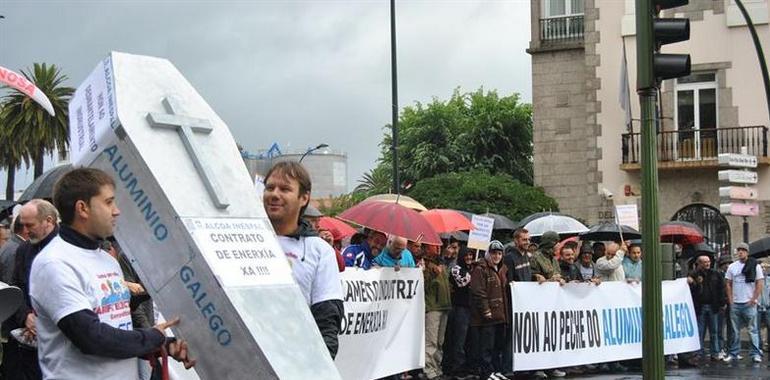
78, 292
313, 262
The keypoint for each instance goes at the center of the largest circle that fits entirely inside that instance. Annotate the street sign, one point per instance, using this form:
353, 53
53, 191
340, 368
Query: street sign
738, 176
739, 209
741, 193
735, 160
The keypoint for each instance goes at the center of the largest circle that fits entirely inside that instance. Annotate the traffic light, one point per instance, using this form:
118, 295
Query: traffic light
653, 33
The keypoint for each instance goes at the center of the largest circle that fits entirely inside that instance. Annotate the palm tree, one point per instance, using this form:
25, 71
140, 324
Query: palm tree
37, 131
376, 181
11, 155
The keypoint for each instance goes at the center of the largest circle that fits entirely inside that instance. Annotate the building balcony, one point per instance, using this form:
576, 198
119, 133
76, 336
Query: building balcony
696, 148
561, 29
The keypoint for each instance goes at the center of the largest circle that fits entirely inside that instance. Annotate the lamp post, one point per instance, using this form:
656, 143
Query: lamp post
311, 150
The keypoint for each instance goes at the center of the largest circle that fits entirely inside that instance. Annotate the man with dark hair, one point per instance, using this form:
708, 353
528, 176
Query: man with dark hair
8, 251
313, 262
39, 218
84, 324
744, 285
362, 255
516, 260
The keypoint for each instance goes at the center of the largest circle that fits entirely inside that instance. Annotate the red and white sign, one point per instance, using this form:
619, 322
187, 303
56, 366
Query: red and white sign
741, 193
739, 209
20, 83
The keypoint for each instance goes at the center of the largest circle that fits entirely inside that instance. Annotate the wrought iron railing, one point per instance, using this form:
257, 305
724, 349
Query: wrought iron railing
694, 145
565, 28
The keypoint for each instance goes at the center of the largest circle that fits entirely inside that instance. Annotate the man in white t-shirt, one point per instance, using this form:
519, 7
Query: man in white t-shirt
313, 261
744, 284
83, 317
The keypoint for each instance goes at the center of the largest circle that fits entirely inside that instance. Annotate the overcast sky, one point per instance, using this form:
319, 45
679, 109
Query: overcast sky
298, 73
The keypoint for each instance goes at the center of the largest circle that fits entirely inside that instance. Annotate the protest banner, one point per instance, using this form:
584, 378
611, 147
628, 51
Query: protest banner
627, 215
383, 328
479, 236
581, 323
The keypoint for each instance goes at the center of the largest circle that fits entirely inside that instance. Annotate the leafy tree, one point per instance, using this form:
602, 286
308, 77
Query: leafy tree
479, 191
335, 205
470, 131
38, 132
11, 155
376, 181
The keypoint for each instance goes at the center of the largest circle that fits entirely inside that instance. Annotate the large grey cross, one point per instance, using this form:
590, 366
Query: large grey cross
187, 126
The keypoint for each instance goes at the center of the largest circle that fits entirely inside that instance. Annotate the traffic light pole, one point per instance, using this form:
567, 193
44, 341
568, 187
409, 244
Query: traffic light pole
653, 366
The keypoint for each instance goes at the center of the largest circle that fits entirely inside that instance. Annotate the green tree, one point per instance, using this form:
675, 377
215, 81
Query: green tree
479, 191
376, 181
11, 155
38, 132
470, 131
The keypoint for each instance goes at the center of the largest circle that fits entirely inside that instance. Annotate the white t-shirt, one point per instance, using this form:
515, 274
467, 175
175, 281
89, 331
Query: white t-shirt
66, 279
314, 267
742, 291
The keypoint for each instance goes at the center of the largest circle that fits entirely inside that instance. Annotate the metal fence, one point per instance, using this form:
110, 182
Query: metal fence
704, 144
563, 28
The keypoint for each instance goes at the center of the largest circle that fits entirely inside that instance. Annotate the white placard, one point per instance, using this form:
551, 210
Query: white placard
93, 115
627, 215
480, 235
240, 251
383, 328
582, 323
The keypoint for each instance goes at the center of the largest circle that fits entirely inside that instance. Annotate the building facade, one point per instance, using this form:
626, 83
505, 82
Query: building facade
586, 154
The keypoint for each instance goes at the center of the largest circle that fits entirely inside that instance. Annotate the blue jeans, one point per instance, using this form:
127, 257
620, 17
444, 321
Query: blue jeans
709, 318
454, 353
743, 314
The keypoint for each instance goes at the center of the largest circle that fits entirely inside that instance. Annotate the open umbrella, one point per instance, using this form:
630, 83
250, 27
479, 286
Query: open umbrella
392, 218
457, 235
609, 232
444, 220
501, 222
760, 248
338, 228
681, 232
400, 199
534, 216
42, 187
564, 225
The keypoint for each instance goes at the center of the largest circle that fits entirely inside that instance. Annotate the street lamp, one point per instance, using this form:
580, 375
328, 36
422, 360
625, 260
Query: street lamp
311, 150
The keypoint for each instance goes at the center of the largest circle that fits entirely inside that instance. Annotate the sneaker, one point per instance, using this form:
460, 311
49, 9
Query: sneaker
728, 359
556, 373
756, 359
739, 357
499, 376
539, 375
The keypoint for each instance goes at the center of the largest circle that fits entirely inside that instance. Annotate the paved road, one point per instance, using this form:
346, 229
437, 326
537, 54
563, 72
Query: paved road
743, 370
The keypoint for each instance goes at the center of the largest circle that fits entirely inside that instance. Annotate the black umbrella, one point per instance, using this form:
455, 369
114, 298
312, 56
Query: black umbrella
457, 235
501, 222
609, 232
42, 187
760, 248
695, 250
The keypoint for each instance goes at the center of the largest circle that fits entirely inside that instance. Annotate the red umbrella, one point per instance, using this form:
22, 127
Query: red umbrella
681, 232
338, 228
444, 220
392, 218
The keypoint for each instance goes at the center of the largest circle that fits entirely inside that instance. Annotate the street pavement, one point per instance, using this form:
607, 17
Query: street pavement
742, 370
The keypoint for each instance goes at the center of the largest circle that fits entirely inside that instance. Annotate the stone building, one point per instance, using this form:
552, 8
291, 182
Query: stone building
585, 154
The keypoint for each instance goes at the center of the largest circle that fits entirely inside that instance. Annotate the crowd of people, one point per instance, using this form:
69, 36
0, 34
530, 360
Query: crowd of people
64, 257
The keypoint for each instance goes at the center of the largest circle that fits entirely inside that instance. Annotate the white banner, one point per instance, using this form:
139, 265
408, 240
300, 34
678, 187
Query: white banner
92, 115
383, 328
583, 323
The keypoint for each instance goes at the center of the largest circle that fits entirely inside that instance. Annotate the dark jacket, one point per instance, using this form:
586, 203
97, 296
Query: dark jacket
570, 272
708, 288
517, 264
489, 294
460, 279
25, 254
327, 314
438, 291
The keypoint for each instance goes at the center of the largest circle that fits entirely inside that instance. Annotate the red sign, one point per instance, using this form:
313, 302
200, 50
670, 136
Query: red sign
739, 209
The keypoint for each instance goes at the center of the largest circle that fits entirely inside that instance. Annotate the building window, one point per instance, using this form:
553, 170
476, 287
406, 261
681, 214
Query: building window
561, 20
696, 116
713, 224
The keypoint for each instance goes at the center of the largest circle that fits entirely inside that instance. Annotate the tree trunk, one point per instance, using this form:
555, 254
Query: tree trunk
11, 183
39, 161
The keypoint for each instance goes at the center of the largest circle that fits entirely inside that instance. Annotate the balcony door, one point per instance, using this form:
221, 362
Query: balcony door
696, 117
561, 19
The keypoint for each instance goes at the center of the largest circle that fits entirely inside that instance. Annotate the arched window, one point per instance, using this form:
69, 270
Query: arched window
711, 221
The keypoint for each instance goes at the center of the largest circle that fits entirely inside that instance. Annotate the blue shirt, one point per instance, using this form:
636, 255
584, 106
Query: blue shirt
358, 255
385, 260
632, 269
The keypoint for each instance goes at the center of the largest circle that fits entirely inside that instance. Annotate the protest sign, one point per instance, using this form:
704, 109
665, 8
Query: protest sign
383, 328
582, 323
627, 215
479, 236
